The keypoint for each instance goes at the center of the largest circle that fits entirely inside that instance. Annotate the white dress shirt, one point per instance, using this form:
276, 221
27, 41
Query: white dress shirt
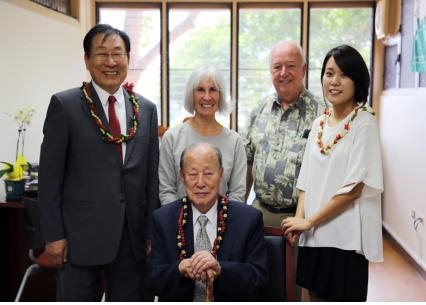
211, 225
120, 109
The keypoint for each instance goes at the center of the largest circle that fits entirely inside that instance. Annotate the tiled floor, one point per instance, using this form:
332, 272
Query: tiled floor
395, 279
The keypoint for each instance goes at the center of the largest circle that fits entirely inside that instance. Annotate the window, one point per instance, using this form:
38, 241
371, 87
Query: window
62, 6
196, 37
330, 27
258, 30
143, 27
234, 35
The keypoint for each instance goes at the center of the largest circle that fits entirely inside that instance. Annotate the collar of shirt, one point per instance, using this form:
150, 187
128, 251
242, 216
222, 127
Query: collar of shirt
211, 225
120, 108
300, 103
103, 96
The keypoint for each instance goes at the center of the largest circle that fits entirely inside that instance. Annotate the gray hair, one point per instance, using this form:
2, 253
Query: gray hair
290, 43
200, 144
207, 72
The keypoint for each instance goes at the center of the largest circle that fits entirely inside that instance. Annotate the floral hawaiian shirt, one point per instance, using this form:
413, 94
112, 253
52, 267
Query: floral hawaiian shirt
276, 142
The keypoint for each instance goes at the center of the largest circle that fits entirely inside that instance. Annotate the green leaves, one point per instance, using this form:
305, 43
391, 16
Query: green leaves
15, 172
8, 168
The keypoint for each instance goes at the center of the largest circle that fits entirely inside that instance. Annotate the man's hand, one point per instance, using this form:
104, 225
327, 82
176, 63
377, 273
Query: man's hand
203, 266
184, 266
57, 251
292, 238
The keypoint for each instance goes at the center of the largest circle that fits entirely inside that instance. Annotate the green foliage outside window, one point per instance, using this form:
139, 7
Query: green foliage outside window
200, 36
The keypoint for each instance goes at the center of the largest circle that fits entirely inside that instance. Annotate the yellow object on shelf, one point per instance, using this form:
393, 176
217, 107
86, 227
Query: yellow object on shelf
15, 172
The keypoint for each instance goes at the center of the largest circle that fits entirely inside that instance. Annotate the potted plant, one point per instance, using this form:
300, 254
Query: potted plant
15, 173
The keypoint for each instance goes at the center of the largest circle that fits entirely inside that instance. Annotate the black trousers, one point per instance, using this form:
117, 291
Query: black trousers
123, 278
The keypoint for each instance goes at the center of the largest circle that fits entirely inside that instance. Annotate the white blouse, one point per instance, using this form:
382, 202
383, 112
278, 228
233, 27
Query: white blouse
355, 158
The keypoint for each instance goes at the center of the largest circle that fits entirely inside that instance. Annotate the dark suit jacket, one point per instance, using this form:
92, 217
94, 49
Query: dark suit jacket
242, 256
85, 190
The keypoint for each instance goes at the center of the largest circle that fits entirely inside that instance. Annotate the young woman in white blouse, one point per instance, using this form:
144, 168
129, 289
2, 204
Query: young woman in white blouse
338, 218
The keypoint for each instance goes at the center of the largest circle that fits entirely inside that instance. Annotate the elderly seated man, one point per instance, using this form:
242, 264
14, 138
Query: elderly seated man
205, 247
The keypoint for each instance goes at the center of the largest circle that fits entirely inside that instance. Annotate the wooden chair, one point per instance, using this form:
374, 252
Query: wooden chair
281, 286
161, 130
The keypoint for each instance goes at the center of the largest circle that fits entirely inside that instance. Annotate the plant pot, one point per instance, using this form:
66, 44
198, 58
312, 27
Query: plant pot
14, 189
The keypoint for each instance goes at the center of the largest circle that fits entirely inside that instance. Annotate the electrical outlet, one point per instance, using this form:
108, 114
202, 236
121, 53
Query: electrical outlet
413, 214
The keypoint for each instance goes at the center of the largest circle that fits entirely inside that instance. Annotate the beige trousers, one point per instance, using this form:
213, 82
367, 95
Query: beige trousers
269, 218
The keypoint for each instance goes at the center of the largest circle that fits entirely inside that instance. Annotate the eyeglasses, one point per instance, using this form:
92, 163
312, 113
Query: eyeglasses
204, 91
104, 56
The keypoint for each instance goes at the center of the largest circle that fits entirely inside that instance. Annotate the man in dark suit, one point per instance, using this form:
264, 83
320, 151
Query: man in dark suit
236, 266
98, 176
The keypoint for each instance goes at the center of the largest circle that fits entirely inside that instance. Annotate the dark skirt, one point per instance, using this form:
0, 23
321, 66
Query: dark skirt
333, 274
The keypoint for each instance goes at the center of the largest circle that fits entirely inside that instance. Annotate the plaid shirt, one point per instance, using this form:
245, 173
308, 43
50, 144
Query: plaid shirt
276, 142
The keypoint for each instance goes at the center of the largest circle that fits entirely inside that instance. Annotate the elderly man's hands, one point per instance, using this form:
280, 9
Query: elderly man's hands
201, 266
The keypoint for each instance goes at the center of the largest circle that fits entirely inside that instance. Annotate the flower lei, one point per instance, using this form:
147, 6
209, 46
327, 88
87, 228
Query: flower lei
326, 148
221, 228
106, 134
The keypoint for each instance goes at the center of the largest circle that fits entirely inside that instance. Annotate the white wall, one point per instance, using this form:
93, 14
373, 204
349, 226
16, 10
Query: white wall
403, 136
41, 53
